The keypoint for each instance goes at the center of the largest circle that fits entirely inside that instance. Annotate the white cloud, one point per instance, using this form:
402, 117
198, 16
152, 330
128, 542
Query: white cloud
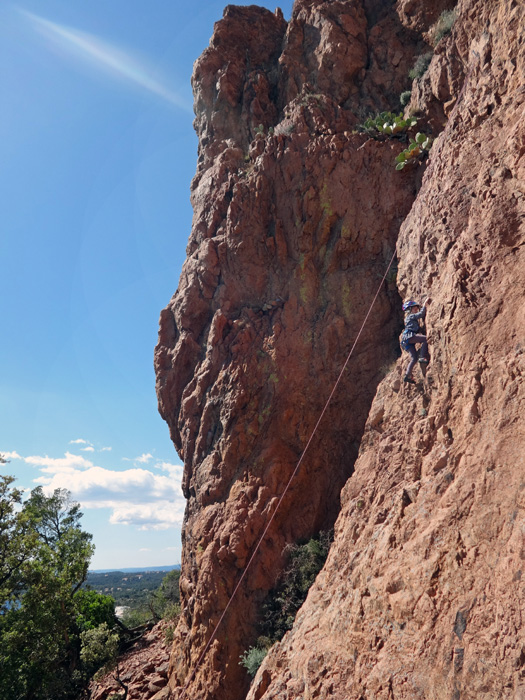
160, 515
10, 455
97, 485
137, 496
62, 464
174, 470
106, 449
147, 498
88, 445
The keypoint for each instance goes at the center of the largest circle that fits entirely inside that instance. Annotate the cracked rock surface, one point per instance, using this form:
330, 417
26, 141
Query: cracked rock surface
296, 217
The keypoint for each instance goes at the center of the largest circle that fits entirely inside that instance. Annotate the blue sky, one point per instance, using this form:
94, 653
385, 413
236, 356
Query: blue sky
97, 151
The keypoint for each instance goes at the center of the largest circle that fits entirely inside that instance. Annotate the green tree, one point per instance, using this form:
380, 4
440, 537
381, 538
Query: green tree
165, 602
17, 541
94, 609
44, 558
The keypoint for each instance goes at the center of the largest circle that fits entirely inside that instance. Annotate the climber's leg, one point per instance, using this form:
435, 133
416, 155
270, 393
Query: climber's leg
413, 358
423, 351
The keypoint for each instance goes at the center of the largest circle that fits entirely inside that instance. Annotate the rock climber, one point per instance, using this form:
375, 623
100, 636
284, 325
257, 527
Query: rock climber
412, 336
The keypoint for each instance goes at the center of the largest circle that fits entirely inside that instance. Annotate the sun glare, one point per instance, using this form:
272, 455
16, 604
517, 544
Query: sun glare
103, 56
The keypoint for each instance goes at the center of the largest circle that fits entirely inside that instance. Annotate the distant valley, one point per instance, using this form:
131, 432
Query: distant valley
128, 587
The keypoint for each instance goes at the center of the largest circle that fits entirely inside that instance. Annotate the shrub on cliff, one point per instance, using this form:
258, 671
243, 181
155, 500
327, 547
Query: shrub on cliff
283, 602
386, 124
252, 659
443, 26
404, 98
415, 151
420, 66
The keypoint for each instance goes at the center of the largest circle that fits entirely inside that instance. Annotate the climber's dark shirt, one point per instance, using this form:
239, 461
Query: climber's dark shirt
412, 323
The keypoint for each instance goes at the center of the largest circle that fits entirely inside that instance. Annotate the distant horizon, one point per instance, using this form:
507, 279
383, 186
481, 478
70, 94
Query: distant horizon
135, 569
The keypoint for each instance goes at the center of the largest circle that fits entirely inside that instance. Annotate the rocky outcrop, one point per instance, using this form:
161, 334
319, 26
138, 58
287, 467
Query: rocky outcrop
141, 672
293, 229
296, 218
421, 596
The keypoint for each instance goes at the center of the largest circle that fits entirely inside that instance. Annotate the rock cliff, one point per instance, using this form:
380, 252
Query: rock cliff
297, 216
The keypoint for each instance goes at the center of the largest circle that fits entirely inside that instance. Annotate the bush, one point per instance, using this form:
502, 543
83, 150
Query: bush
252, 659
281, 606
404, 98
443, 26
169, 635
99, 647
420, 66
416, 149
136, 617
387, 123
94, 609
163, 603
172, 612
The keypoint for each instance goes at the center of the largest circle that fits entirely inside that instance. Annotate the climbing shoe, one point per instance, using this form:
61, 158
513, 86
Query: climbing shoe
408, 380
423, 360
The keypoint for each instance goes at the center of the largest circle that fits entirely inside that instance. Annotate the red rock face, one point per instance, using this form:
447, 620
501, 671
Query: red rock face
293, 230
421, 596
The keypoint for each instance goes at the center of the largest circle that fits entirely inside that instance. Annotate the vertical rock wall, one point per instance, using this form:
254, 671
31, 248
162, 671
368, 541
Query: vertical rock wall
422, 595
296, 218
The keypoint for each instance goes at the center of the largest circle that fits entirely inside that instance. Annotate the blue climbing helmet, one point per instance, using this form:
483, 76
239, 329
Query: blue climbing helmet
408, 304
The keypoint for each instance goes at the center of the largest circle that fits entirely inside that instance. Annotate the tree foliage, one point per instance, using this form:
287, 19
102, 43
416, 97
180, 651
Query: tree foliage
17, 540
44, 558
94, 609
165, 602
283, 602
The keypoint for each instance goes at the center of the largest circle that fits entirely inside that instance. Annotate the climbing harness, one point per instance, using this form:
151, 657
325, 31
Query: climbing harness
294, 473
